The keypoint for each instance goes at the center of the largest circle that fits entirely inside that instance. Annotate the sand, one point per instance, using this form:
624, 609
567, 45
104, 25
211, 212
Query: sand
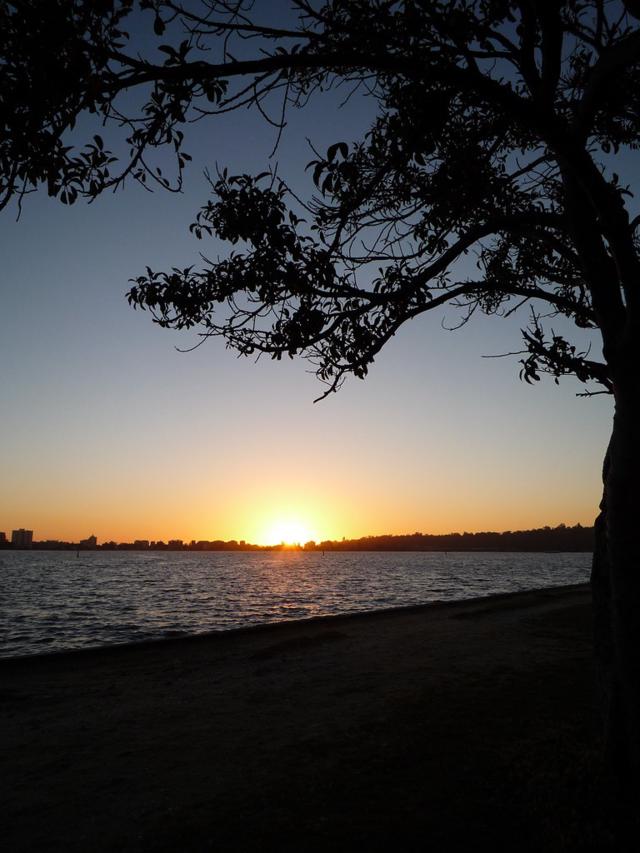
437, 728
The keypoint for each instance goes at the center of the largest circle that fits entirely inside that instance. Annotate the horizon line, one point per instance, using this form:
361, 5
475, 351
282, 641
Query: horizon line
91, 542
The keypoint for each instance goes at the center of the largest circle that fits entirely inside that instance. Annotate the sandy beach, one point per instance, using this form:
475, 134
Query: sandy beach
439, 728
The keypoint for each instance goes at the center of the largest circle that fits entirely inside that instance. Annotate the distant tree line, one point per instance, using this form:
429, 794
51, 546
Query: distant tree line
561, 538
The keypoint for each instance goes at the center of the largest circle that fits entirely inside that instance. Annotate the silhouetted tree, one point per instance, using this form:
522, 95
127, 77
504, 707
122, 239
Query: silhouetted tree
497, 132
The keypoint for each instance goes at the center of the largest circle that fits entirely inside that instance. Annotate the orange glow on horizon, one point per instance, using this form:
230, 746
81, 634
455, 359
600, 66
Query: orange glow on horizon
269, 503
287, 524
287, 529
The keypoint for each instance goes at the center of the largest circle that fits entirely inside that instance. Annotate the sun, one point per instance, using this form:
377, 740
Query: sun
291, 531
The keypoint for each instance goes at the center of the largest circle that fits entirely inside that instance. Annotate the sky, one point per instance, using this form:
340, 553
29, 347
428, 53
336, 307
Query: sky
108, 429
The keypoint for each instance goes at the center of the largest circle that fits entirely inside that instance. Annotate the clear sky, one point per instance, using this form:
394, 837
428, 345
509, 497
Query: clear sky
107, 429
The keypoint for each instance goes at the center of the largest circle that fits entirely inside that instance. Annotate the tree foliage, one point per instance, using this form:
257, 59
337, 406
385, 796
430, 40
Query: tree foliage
496, 134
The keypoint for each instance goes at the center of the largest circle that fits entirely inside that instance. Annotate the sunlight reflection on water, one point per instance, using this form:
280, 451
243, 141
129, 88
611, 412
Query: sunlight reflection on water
53, 600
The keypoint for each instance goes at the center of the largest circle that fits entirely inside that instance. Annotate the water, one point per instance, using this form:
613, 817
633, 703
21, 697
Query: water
52, 600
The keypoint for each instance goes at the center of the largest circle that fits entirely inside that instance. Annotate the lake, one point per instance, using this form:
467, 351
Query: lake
53, 600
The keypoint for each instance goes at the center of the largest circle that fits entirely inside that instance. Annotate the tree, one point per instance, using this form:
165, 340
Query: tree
498, 132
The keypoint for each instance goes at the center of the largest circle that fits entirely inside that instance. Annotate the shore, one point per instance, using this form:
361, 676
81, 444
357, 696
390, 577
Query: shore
442, 727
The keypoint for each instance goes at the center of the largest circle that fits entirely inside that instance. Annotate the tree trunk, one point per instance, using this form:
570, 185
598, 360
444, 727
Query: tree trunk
615, 581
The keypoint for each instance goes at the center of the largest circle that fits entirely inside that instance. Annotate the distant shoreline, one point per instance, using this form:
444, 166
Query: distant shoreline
295, 550
560, 539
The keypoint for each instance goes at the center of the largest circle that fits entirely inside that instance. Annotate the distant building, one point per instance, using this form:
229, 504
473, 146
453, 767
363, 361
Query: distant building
141, 543
91, 542
175, 543
22, 538
3, 537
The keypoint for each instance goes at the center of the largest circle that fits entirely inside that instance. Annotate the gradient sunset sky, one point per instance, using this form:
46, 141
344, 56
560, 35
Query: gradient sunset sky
107, 429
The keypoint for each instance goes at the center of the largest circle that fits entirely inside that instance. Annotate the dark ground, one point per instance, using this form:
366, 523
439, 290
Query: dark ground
443, 728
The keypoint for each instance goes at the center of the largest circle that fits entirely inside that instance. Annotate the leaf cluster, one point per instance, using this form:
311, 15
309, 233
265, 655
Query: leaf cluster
485, 181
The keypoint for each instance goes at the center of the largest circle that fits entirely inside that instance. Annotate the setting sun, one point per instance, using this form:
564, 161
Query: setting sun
291, 531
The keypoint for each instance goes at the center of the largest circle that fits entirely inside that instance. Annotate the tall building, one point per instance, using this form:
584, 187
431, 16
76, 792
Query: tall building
91, 543
3, 538
22, 538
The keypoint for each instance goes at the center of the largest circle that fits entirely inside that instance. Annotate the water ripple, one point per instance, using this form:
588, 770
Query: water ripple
53, 600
